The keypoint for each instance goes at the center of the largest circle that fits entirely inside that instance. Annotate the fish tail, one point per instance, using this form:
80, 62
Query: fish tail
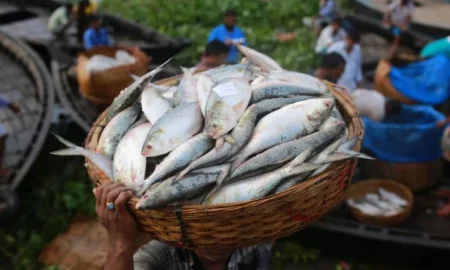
229, 139
67, 152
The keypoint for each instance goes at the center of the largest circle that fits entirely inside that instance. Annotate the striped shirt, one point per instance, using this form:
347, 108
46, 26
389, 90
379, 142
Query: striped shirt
156, 255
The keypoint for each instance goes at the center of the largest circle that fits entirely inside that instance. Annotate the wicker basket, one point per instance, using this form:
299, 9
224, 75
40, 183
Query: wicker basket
416, 176
102, 87
247, 223
384, 86
364, 187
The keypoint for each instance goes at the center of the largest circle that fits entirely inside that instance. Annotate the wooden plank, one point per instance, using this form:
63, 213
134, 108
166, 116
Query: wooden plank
83, 245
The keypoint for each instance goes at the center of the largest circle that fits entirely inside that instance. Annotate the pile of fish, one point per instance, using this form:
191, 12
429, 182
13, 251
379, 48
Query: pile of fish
230, 134
382, 203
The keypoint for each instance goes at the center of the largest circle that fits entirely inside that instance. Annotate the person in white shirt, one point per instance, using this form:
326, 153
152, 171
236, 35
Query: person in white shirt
398, 18
329, 35
350, 50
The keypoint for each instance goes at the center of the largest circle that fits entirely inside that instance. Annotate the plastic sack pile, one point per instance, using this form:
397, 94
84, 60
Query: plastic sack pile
101, 62
230, 134
427, 81
411, 136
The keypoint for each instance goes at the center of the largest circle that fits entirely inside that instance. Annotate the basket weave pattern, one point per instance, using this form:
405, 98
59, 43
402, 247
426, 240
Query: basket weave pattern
246, 223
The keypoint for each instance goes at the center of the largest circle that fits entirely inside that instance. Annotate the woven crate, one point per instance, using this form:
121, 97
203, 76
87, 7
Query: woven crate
101, 87
246, 223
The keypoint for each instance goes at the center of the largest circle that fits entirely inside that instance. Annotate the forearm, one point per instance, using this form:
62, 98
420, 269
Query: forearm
120, 257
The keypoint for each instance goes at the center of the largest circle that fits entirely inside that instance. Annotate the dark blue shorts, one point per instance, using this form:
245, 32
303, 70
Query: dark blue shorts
396, 31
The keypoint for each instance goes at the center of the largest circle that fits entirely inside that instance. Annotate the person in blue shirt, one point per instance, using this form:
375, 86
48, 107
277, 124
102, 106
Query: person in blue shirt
5, 103
95, 35
228, 32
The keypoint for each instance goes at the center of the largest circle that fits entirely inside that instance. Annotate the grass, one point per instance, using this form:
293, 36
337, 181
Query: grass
55, 189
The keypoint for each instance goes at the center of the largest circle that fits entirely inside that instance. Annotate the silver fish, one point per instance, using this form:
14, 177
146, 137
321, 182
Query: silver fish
285, 152
241, 133
187, 89
128, 164
184, 189
257, 186
277, 89
259, 59
100, 161
292, 121
116, 129
172, 129
154, 105
270, 105
231, 71
204, 84
179, 158
227, 101
131, 94
296, 78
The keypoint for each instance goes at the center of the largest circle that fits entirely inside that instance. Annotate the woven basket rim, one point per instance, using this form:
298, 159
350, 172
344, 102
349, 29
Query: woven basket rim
355, 129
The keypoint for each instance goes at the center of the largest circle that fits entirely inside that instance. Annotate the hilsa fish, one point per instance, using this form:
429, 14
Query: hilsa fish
178, 159
227, 101
240, 134
100, 161
292, 121
116, 129
131, 94
128, 164
173, 128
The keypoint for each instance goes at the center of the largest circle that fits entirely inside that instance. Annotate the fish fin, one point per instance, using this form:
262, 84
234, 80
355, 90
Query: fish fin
335, 156
229, 139
356, 154
182, 173
248, 72
219, 143
300, 159
348, 144
134, 77
66, 142
304, 167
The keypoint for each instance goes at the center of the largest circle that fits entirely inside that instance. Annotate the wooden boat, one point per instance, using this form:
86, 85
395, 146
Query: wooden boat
24, 80
430, 20
29, 23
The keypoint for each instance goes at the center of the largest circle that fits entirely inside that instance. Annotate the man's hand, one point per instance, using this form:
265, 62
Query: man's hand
14, 108
119, 223
227, 41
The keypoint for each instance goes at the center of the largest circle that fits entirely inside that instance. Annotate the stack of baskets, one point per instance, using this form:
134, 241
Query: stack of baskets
246, 223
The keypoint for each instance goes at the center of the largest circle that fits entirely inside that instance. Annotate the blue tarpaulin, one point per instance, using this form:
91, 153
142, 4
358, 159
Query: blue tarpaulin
427, 81
411, 136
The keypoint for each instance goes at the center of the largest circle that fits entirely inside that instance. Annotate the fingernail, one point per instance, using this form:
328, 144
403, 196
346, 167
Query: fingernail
130, 193
93, 191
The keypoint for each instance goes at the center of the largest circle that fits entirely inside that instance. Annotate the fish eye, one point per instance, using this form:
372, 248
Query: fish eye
149, 147
214, 125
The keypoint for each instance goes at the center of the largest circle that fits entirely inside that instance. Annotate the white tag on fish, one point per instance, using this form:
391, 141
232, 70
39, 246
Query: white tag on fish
226, 89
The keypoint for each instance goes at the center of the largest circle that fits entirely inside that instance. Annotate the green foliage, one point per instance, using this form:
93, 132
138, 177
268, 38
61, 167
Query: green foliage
261, 20
55, 190
293, 253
